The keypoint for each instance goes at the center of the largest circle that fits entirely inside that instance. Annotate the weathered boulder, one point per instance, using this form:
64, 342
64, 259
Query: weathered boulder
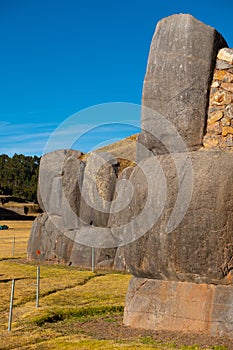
98, 189
118, 216
49, 240
179, 306
179, 72
197, 246
57, 176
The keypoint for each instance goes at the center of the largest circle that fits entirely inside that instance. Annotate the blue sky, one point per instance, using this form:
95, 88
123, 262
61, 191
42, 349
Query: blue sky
59, 57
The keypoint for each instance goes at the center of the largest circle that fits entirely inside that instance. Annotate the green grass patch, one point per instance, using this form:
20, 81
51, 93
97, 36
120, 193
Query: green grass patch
59, 314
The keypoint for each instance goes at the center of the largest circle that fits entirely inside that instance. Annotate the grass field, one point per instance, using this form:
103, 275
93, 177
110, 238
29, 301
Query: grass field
14, 239
78, 309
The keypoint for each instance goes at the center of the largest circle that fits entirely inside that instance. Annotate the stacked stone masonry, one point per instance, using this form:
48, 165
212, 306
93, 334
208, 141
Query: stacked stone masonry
220, 112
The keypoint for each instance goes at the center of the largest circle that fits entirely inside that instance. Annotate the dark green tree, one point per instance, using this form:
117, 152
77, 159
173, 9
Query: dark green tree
19, 176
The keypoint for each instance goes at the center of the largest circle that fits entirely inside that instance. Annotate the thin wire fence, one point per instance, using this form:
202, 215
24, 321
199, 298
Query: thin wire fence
12, 246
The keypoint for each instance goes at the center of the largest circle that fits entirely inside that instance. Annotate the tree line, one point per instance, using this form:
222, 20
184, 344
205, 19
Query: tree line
19, 176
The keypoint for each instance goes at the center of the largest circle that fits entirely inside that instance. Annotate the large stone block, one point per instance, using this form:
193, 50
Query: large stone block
188, 241
179, 72
46, 237
98, 189
59, 172
179, 306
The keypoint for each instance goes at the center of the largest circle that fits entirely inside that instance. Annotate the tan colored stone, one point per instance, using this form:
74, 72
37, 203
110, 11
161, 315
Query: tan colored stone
214, 117
179, 307
227, 86
214, 128
219, 74
227, 130
222, 64
229, 140
210, 141
225, 121
221, 98
223, 75
226, 142
215, 84
226, 54
229, 111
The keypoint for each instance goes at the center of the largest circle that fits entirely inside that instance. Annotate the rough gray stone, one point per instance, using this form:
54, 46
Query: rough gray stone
98, 189
223, 65
50, 176
81, 255
59, 247
178, 76
118, 215
46, 238
199, 249
119, 260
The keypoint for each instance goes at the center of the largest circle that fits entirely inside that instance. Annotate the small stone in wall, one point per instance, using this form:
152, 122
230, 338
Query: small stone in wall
215, 84
215, 116
222, 65
226, 54
223, 75
227, 130
226, 121
221, 98
214, 128
227, 86
226, 142
228, 112
210, 141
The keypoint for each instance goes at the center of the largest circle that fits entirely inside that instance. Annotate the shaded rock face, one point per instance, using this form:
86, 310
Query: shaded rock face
199, 249
179, 71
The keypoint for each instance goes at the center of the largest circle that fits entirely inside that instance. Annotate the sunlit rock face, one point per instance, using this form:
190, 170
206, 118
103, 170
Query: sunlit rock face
177, 81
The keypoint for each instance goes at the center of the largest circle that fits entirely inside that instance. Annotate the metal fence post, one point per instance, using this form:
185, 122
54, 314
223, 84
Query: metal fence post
92, 259
37, 285
13, 247
11, 305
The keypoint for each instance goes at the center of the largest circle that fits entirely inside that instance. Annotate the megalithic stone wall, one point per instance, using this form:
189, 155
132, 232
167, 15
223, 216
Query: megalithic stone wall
75, 192
219, 132
176, 216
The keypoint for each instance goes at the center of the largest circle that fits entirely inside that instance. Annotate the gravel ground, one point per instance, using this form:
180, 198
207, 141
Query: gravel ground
113, 328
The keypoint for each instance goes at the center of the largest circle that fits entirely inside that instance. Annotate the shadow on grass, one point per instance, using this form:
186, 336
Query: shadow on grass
7, 214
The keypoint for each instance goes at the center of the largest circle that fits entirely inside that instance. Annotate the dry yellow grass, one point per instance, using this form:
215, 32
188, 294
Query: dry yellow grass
71, 301
125, 148
18, 231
